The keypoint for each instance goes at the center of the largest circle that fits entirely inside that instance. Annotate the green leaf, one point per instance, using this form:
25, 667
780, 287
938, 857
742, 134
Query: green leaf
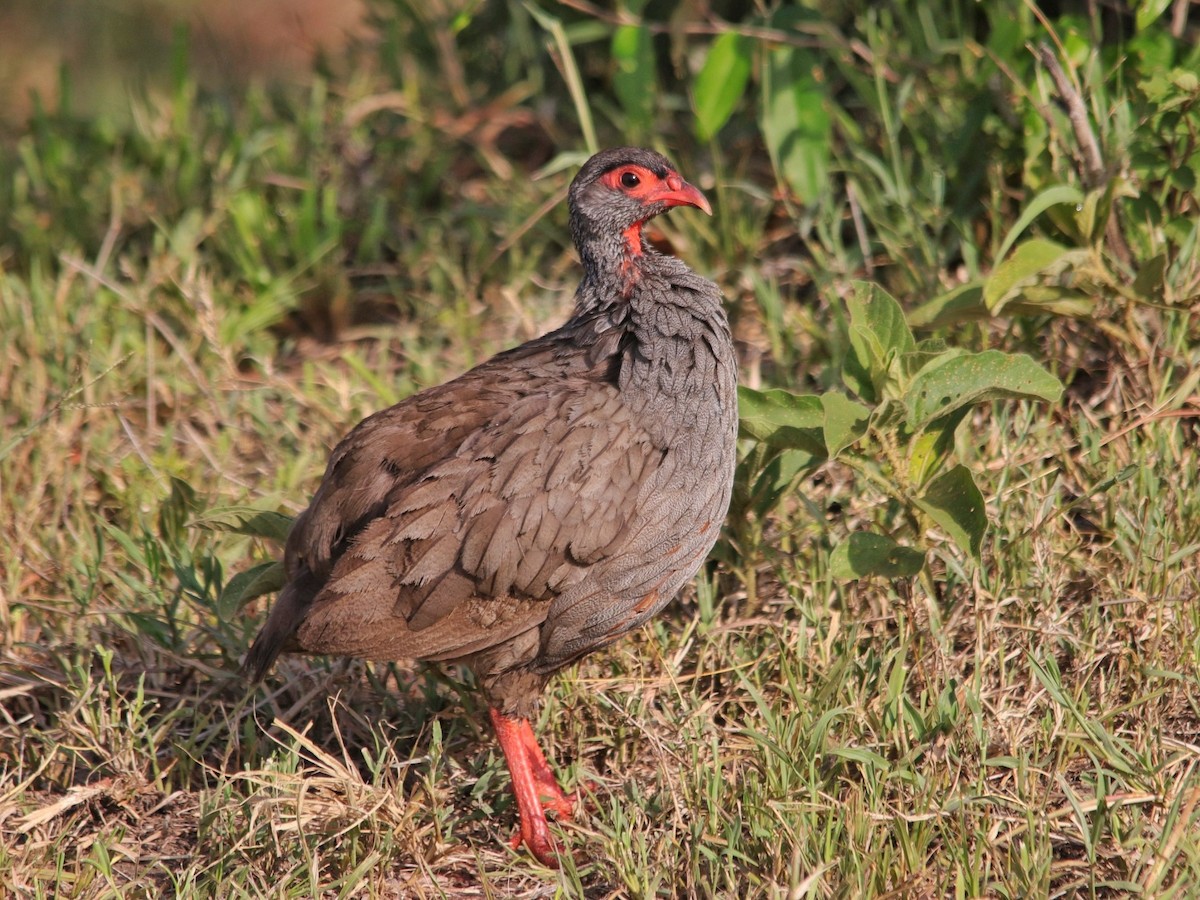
264, 578
962, 304
777, 476
845, 421
1052, 196
135, 551
796, 122
1097, 208
863, 757
1148, 12
570, 71
934, 354
878, 335
929, 448
1038, 300
865, 553
260, 523
965, 379
955, 503
174, 511
1117, 752
634, 81
721, 83
1029, 264
783, 419
1149, 282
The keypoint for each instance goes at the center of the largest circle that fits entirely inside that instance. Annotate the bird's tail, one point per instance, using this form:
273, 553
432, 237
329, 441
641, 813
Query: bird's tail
285, 617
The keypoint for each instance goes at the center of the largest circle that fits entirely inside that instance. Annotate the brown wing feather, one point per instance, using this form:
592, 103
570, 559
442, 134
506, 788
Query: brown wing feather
386, 457
520, 511
443, 527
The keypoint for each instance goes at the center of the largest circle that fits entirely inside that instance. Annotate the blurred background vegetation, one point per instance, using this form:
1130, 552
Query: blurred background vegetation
899, 141
102, 51
229, 230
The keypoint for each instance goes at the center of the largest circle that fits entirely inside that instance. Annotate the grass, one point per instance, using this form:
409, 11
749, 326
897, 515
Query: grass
195, 305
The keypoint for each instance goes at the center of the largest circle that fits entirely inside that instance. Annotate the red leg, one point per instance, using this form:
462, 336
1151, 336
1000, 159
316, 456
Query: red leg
534, 785
549, 793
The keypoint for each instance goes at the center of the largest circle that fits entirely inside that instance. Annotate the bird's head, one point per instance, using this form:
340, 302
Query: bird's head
617, 191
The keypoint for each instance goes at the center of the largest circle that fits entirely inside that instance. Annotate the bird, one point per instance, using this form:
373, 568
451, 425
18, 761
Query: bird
544, 503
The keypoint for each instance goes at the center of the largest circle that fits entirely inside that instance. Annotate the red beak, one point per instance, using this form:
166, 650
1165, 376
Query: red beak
678, 192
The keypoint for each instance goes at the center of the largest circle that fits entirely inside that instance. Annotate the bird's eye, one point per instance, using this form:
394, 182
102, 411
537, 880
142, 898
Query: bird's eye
630, 180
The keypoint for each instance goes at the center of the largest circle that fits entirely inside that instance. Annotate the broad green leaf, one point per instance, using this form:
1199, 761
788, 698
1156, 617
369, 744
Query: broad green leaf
1149, 282
935, 353
1148, 12
1039, 301
634, 80
955, 503
878, 335
264, 578
796, 122
845, 421
962, 380
720, 83
260, 523
888, 415
1032, 261
783, 419
875, 310
865, 553
962, 304
930, 447
1051, 196
777, 477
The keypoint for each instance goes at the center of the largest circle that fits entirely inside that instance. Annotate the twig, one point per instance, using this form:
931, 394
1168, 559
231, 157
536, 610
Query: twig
1179, 17
1093, 163
860, 228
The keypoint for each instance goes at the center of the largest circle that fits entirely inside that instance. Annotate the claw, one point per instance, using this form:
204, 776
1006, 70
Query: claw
535, 787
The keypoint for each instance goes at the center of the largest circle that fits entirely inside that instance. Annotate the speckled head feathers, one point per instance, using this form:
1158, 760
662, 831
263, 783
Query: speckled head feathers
618, 189
606, 160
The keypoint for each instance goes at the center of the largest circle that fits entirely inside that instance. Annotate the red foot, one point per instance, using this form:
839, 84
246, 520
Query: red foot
535, 787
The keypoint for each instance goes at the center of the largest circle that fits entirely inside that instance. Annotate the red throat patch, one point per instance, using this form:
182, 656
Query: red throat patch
633, 238
633, 248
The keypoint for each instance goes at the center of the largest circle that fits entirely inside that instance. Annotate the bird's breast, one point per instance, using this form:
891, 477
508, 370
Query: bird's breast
678, 376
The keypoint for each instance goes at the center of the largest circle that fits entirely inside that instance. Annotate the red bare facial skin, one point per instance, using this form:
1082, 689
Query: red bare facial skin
642, 184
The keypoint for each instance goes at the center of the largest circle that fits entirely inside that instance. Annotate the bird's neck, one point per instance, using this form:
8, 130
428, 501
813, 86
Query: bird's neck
627, 282
664, 330
612, 265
